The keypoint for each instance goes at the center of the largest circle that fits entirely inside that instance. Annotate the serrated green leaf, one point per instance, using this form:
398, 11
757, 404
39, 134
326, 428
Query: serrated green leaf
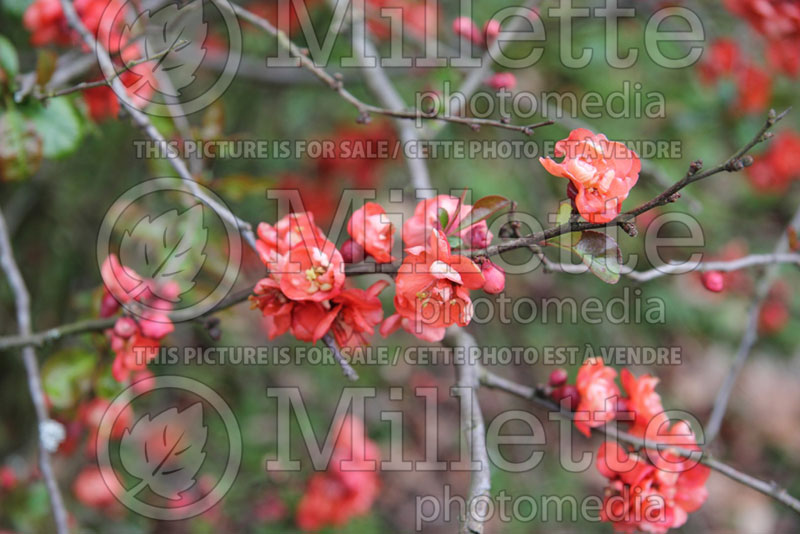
483, 209
66, 376
59, 125
599, 252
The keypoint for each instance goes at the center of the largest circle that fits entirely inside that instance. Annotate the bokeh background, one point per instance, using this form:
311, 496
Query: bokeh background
54, 209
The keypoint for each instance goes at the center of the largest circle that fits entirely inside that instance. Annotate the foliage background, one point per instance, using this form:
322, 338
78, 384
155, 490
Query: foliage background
54, 215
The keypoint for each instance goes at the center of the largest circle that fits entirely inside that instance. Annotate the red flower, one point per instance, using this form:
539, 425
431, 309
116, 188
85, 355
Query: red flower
349, 486
784, 55
772, 18
91, 487
136, 343
358, 313
754, 87
312, 271
275, 242
48, 25
598, 393
602, 171
419, 17
417, 229
723, 58
276, 307
432, 290
774, 170
502, 80
655, 491
642, 400
370, 228
466, 28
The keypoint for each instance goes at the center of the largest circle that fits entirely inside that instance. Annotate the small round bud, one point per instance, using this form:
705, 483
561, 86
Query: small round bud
567, 397
557, 378
491, 30
713, 281
352, 252
125, 327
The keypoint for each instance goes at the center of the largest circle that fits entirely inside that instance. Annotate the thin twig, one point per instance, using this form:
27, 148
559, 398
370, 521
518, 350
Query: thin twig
22, 298
364, 109
145, 124
538, 396
735, 163
748, 339
106, 82
686, 267
476, 76
347, 369
382, 88
51, 335
474, 428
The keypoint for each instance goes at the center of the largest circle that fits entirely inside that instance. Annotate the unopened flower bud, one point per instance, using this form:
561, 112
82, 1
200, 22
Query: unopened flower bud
567, 397
491, 30
466, 28
352, 252
557, 378
494, 276
713, 281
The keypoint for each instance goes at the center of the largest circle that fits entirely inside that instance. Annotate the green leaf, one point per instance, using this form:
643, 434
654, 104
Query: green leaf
455, 241
15, 7
66, 376
484, 208
20, 146
105, 385
9, 62
59, 125
444, 218
564, 214
599, 252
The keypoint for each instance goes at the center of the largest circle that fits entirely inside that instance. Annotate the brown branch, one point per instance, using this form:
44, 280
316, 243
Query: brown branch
735, 163
22, 299
744, 262
142, 120
537, 396
748, 339
347, 369
362, 107
40, 339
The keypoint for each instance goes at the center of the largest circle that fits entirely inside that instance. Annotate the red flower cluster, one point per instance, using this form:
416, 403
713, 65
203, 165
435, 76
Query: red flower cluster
349, 486
46, 21
779, 165
650, 491
305, 291
753, 84
135, 341
779, 22
602, 171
